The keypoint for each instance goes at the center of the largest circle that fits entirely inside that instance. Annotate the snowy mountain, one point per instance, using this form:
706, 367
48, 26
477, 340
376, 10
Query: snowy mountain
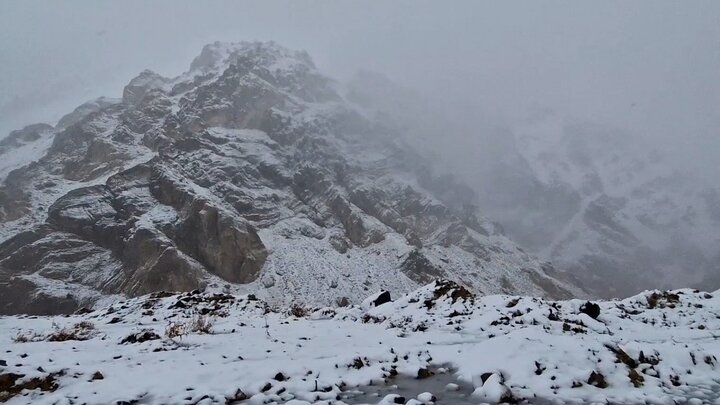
607, 207
610, 209
251, 172
438, 344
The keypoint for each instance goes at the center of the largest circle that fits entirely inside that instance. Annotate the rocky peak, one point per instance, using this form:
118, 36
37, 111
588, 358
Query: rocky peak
247, 173
146, 81
217, 56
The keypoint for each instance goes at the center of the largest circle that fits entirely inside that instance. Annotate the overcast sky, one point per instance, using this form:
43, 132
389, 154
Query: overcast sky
650, 67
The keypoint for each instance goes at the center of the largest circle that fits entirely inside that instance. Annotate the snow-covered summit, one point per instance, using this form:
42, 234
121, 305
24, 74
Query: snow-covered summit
218, 56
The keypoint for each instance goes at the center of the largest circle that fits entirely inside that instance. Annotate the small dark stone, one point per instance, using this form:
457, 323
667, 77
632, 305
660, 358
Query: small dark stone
266, 387
485, 376
399, 400
590, 309
3, 363
279, 377
597, 379
97, 376
383, 298
239, 396
424, 373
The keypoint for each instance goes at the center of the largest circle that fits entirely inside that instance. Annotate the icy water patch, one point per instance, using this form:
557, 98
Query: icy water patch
444, 386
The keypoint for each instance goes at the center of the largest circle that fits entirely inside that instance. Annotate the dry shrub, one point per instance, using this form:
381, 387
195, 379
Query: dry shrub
24, 337
140, 337
175, 330
298, 311
201, 324
80, 331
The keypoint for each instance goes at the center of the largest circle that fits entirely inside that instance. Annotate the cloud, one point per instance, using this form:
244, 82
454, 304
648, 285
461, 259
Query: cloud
650, 67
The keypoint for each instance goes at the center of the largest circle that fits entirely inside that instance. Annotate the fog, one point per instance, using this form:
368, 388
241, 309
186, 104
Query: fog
649, 70
649, 66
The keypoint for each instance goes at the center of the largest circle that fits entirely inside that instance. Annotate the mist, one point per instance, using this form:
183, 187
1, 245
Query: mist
479, 73
649, 67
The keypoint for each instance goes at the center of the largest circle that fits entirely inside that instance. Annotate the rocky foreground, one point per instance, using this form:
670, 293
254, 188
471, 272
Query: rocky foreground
206, 348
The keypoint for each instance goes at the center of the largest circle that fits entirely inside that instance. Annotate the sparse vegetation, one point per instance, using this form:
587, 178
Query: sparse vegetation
142, 336
200, 324
298, 311
80, 331
12, 384
23, 338
175, 330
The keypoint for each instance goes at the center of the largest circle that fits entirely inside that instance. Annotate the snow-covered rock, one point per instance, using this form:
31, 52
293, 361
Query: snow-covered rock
249, 172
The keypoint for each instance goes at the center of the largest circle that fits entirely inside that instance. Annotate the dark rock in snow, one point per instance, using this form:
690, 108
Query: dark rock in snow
424, 373
383, 298
597, 379
590, 309
142, 336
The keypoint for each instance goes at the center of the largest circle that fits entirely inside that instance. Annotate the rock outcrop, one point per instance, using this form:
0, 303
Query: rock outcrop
250, 171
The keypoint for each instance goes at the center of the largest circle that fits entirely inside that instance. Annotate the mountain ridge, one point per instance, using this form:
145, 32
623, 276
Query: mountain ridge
248, 172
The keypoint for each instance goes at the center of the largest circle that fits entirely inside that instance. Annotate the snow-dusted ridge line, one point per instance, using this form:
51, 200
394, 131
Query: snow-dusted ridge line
299, 196
659, 347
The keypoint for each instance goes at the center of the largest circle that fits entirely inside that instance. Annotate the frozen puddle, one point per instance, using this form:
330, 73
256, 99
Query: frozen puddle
444, 386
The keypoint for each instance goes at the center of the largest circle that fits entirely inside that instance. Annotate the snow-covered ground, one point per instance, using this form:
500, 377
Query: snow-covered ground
656, 347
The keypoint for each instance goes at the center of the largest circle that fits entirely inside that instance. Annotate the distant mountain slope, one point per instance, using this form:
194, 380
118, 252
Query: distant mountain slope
612, 210
250, 172
608, 208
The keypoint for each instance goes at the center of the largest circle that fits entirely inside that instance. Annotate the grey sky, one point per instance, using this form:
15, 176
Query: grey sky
650, 67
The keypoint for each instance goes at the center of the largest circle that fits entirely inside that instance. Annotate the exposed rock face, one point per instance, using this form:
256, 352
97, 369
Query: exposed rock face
250, 171
419, 269
84, 110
